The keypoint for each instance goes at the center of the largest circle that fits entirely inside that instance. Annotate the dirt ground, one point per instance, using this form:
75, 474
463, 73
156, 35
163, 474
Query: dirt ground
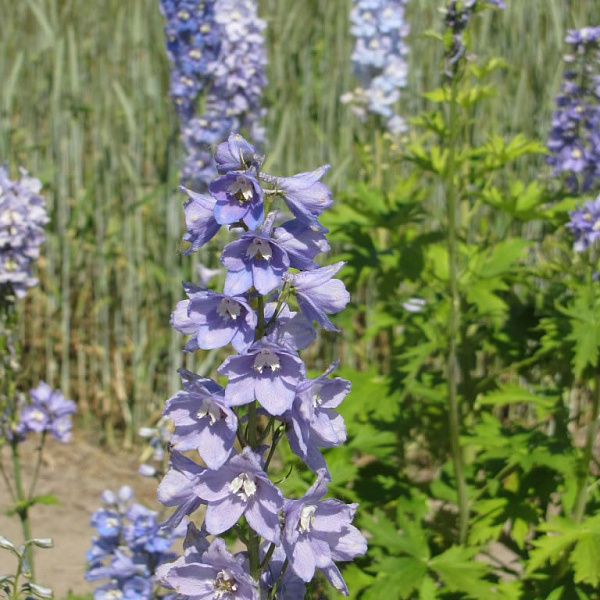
76, 473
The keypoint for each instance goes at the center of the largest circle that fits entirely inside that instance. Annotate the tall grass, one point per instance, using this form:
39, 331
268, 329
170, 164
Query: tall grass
84, 106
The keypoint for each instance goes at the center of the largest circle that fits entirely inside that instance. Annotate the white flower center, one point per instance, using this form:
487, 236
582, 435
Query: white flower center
183, 14
316, 395
225, 584
37, 415
596, 226
114, 594
259, 248
243, 485
229, 309
112, 522
307, 518
242, 189
576, 153
10, 265
195, 53
209, 409
266, 358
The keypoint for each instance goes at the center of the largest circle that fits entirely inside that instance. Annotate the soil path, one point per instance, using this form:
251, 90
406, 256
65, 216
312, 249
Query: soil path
76, 473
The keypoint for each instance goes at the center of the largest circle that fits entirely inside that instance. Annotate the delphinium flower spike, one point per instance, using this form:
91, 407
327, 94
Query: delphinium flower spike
274, 292
129, 547
574, 140
379, 58
22, 220
217, 52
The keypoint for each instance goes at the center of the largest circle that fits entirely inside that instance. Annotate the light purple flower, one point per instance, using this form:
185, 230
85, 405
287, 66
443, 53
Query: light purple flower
318, 294
200, 220
290, 587
290, 330
306, 196
177, 488
219, 576
236, 154
240, 197
267, 373
22, 221
254, 260
214, 320
312, 422
241, 487
202, 422
585, 225
47, 411
318, 532
301, 243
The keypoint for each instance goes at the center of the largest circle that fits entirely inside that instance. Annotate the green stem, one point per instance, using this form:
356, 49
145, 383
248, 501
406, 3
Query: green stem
22, 511
584, 467
276, 437
7, 482
454, 323
276, 584
15, 590
252, 437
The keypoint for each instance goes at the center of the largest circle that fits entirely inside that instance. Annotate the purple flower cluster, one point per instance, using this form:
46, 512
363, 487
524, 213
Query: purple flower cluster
379, 59
274, 291
457, 17
129, 547
217, 49
585, 225
574, 139
48, 411
22, 220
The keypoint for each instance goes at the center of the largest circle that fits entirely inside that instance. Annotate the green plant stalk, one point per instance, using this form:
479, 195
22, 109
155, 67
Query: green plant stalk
15, 590
252, 435
454, 322
23, 510
584, 467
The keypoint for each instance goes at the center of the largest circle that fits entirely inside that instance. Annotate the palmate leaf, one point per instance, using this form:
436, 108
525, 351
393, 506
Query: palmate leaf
461, 572
411, 540
514, 394
585, 559
565, 537
585, 328
397, 579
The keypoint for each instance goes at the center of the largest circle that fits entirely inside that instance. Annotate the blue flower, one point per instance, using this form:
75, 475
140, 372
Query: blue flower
217, 51
379, 58
241, 487
22, 220
585, 225
574, 139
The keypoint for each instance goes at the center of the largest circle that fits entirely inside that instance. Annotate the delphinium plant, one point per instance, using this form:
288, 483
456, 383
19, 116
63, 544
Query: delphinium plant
274, 291
217, 51
379, 58
22, 220
20, 585
574, 141
131, 544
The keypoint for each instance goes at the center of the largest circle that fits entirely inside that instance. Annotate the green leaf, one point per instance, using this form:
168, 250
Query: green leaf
514, 394
585, 559
397, 578
551, 548
45, 499
411, 540
461, 573
500, 260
